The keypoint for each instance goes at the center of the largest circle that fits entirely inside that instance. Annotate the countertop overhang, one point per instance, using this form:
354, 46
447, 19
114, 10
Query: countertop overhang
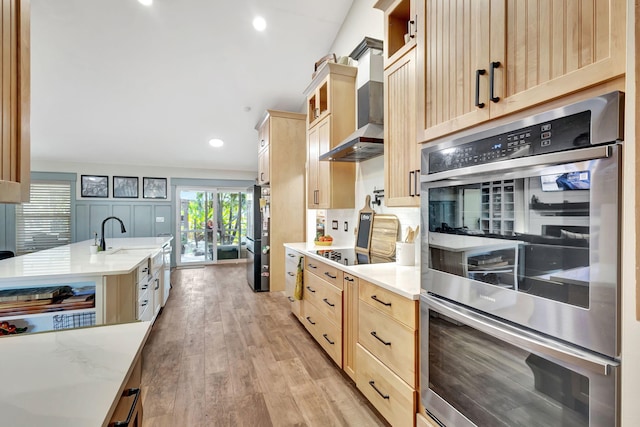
402, 280
67, 261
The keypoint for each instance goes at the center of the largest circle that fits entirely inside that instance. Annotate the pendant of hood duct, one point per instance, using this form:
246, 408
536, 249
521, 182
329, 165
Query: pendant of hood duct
368, 141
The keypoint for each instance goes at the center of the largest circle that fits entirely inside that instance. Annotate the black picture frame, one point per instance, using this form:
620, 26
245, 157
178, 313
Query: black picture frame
125, 187
154, 188
94, 186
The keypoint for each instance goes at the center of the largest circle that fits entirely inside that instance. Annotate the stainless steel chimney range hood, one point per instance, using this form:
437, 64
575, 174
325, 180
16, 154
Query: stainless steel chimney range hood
368, 141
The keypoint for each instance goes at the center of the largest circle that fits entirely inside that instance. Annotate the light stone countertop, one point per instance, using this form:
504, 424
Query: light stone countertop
402, 280
67, 378
69, 261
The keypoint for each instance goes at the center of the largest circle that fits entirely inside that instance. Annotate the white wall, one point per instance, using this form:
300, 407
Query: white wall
362, 20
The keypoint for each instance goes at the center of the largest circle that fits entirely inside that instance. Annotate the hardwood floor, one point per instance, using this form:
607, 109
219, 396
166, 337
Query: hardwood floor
221, 355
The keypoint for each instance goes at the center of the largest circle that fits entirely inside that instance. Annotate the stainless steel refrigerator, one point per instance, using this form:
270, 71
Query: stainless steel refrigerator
258, 238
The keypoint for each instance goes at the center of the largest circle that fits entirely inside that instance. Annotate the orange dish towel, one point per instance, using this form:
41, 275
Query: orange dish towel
297, 293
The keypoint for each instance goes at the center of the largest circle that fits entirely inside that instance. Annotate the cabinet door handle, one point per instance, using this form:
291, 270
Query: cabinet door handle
375, 298
328, 340
127, 393
380, 339
415, 183
478, 74
348, 279
310, 321
261, 176
326, 273
411, 180
157, 285
316, 113
373, 384
328, 303
290, 299
262, 143
311, 290
494, 65
311, 265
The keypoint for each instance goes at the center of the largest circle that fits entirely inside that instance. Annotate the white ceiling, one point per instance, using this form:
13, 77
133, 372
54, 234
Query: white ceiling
113, 81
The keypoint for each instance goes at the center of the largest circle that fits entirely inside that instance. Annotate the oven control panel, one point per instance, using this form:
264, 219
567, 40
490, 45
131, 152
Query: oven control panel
565, 133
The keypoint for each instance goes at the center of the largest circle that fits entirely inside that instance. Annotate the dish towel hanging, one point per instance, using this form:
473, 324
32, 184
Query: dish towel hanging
297, 293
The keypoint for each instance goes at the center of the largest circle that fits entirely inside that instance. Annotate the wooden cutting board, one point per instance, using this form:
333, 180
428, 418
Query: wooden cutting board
384, 235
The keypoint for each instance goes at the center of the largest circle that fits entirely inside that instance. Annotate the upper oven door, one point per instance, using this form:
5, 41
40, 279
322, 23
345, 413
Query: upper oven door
533, 240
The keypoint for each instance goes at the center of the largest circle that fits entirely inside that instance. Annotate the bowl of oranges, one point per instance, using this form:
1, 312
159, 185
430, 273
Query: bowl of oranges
323, 241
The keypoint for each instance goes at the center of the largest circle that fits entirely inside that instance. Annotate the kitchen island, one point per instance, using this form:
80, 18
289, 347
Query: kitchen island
71, 378
68, 286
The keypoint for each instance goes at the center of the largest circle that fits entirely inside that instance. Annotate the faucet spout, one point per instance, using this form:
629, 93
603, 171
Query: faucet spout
103, 245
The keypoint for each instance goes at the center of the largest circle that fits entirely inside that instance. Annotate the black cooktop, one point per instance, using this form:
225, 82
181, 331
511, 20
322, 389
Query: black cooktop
350, 257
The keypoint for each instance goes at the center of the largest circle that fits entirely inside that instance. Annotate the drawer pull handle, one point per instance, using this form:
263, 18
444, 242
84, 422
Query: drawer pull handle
311, 290
310, 321
127, 393
375, 298
290, 273
373, 384
328, 303
144, 304
144, 270
326, 338
145, 287
312, 266
348, 279
326, 273
291, 299
380, 339
157, 285
291, 255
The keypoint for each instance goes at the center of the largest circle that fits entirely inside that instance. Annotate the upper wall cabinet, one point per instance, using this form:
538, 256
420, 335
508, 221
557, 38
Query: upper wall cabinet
482, 59
331, 117
400, 25
15, 54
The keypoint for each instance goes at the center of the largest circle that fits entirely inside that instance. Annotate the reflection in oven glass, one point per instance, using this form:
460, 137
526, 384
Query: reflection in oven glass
494, 383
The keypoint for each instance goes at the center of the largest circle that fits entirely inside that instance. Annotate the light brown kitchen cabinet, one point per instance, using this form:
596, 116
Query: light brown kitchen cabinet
482, 59
400, 25
15, 160
331, 98
350, 324
402, 153
263, 167
128, 410
284, 134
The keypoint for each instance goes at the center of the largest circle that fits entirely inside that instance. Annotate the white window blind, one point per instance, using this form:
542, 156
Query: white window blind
44, 222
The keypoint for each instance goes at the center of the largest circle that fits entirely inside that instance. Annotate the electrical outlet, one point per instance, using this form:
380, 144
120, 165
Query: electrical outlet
159, 219
346, 226
334, 224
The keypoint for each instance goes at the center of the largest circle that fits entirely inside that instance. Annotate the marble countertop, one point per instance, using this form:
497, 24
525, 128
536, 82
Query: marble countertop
403, 280
67, 378
74, 260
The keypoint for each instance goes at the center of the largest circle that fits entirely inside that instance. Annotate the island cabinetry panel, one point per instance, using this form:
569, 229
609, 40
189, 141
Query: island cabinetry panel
479, 60
331, 100
350, 324
15, 93
291, 272
128, 409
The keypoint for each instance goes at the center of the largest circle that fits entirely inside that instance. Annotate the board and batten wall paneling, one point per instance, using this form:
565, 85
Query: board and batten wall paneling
7, 227
139, 219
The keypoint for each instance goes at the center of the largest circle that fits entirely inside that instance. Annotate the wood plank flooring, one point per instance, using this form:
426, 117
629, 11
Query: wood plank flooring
221, 355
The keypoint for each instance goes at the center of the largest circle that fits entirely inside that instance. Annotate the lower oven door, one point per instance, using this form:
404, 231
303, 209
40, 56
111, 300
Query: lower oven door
477, 371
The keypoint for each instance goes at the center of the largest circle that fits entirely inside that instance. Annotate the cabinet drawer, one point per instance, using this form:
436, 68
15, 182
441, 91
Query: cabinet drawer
325, 271
400, 308
385, 390
145, 301
390, 341
143, 270
144, 284
291, 256
324, 331
327, 298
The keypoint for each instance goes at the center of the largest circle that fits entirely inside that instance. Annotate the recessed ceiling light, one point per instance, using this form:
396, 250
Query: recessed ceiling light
216, 142
259, 23
146, 2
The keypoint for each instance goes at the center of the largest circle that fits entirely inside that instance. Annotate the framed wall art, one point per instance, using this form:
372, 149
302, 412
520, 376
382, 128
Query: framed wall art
94, 186
125, 187
154, 188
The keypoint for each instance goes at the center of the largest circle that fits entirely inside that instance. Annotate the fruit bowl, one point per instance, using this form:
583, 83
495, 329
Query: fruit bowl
323, 243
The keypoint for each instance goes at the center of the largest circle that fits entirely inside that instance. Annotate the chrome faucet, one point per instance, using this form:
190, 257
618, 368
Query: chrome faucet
103, 246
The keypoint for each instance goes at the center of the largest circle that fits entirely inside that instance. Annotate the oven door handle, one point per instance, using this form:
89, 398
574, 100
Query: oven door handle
551, 159
567, 356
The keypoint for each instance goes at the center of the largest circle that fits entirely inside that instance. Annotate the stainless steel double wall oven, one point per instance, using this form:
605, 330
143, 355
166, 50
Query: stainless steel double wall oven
521, 284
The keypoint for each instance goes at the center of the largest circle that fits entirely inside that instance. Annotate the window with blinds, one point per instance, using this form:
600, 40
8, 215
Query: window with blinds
44, 222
